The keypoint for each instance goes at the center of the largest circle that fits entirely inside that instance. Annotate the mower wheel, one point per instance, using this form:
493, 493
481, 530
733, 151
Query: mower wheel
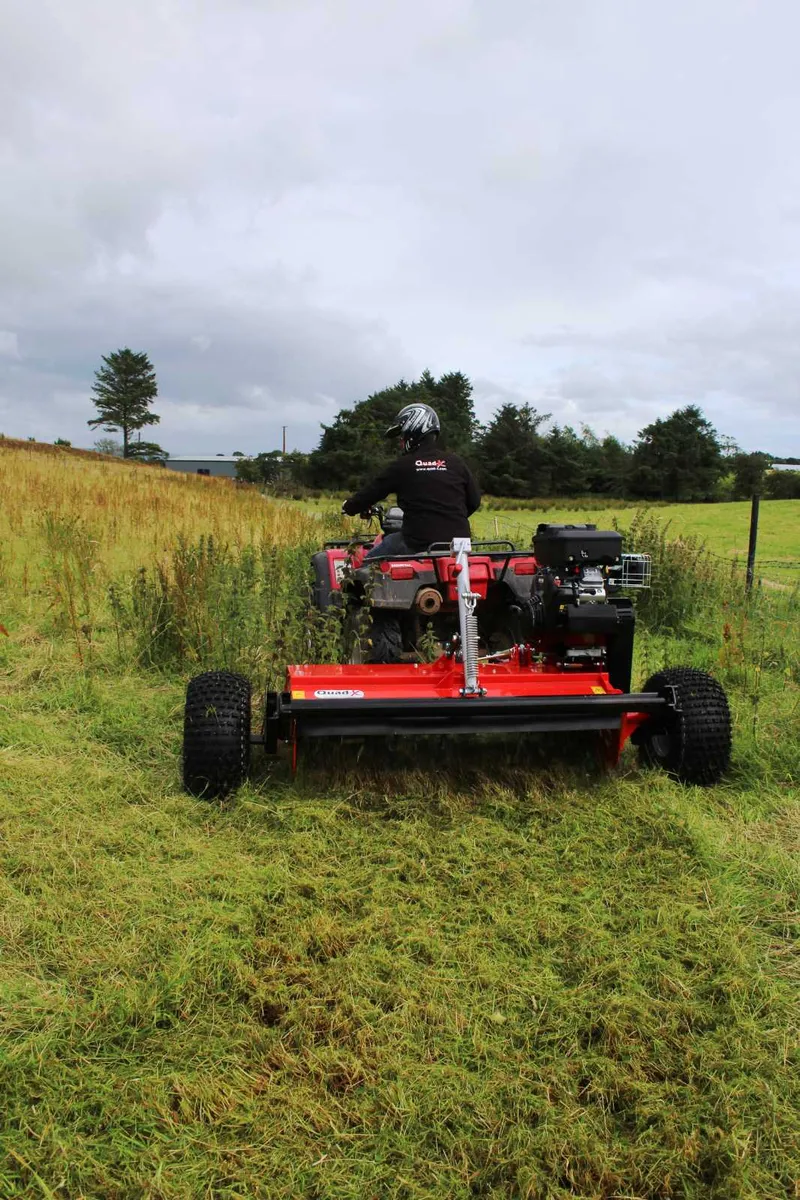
693, 744
216, 734
386, 637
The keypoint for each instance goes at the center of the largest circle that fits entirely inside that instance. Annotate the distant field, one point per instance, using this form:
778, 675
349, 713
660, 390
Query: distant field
724, 528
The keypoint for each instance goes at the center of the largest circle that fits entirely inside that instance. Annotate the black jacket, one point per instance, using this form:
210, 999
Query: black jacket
435, 489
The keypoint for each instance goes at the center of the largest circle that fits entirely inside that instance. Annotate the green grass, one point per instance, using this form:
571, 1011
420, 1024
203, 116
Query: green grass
477, 968
475, 971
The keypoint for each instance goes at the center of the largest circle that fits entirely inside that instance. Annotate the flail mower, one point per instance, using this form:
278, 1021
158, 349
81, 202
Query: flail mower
565, 668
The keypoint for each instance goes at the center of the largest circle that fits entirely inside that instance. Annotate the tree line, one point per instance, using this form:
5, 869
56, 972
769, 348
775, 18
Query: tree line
518, 453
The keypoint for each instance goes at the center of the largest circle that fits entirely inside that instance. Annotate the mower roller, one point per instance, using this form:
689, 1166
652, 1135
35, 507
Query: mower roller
571, 674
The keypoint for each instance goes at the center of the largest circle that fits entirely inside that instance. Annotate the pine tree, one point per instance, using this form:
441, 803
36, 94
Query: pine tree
510, 453
677, 458
124, 388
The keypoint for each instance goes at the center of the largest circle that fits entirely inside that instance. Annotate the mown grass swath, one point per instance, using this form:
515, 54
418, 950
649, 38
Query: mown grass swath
472, 969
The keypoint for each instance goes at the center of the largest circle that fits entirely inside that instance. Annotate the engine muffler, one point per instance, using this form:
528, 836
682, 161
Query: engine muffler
428, 601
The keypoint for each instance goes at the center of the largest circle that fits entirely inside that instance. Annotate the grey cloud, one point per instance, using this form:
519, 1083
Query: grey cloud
220, 366
589, 206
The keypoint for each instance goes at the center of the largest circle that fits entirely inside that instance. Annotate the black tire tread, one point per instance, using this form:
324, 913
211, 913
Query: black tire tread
386, 637
216, 734
699, 734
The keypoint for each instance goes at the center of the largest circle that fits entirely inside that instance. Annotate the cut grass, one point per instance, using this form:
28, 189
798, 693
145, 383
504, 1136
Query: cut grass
478, 968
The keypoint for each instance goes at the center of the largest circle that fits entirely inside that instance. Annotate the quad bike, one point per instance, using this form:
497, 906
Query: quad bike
569, 668
391, 603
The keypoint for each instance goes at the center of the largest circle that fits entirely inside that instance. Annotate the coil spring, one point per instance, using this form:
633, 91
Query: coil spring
470, 648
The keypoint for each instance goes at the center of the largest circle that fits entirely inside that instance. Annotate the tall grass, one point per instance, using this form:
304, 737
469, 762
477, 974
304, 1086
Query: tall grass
132, 513
187, 572
73, 530
70, 560
210, 606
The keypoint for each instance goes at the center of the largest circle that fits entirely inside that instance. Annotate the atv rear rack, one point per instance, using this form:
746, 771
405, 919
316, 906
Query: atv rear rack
434, 550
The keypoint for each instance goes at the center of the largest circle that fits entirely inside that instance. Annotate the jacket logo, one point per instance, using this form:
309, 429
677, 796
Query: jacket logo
431, 464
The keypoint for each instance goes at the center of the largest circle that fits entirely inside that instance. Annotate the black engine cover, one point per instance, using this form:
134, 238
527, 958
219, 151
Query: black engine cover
570, 545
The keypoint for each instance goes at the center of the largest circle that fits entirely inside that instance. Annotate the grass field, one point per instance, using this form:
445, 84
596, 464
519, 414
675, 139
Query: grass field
458, 971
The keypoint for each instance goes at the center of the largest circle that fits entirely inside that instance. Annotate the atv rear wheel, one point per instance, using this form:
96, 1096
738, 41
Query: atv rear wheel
216, 734
374, 637
386, 637
693, 742
354, 635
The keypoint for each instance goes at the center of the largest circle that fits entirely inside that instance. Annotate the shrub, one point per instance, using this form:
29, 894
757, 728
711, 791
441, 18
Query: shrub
782, 485
208, 606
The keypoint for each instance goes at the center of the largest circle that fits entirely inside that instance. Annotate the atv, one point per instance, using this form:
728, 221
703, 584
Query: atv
392, 603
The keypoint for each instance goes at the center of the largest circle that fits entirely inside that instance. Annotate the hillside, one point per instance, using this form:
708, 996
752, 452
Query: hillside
420, 971
53, 451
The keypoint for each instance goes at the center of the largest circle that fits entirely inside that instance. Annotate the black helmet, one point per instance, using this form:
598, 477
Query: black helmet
412, 423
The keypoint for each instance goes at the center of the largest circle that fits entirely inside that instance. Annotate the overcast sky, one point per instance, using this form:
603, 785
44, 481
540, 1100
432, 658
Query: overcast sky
589, 205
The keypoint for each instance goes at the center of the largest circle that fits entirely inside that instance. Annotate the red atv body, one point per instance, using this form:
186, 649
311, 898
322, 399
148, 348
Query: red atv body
407, 594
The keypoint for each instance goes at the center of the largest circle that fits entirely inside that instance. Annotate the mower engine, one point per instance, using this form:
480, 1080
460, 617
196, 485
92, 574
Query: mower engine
575, 564
575, 609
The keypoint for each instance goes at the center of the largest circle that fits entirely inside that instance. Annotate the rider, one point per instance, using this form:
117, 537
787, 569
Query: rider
435, 489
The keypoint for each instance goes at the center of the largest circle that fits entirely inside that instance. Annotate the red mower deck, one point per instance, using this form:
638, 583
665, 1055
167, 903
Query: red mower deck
516, 696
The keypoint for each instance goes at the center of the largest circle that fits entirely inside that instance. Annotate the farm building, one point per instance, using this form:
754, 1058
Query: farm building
205, 464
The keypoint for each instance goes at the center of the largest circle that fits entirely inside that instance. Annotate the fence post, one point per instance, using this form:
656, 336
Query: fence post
751, 549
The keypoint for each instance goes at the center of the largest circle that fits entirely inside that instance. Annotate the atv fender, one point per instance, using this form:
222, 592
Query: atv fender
384, 592
325, 589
